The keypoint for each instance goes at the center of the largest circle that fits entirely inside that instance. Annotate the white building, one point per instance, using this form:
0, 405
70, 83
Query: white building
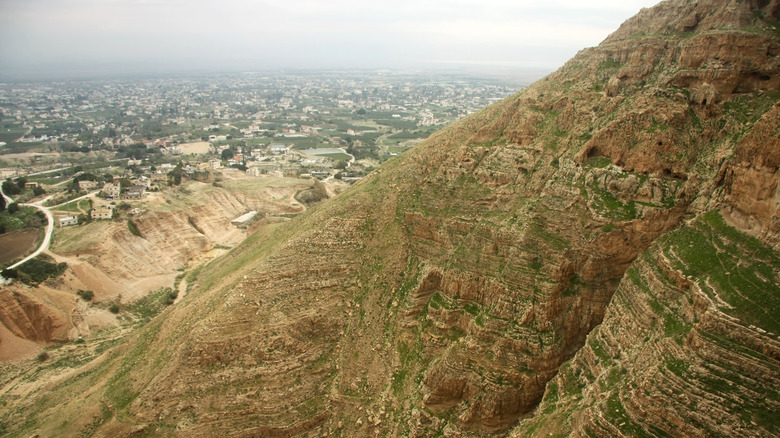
278, 149
68, 220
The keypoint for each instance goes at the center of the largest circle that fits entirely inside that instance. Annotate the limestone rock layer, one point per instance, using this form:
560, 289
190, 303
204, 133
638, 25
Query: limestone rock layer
603, 243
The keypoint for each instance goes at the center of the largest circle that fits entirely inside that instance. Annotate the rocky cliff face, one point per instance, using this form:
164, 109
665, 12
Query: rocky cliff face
459, 286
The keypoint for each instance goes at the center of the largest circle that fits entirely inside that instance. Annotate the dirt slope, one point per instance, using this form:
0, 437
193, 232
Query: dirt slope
453, 290
180, 228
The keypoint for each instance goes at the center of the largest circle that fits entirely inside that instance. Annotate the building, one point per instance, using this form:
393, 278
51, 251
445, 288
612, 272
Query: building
144, 181
101, 213
135, 192
278, 149
68, 220
244, 220
319, 174
30, 185
112, 190
87, 185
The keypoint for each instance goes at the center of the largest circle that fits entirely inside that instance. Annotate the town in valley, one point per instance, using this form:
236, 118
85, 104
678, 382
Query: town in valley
93, 150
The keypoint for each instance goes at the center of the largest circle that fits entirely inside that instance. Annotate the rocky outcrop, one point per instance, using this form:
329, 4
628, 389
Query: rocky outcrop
752, 180
32, 318
564, 246
674, 18
678, 353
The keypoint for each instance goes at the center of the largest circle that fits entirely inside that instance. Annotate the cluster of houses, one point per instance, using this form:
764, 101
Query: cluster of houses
111, 191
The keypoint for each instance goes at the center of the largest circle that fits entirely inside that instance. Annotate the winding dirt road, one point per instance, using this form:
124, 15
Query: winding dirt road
49, 227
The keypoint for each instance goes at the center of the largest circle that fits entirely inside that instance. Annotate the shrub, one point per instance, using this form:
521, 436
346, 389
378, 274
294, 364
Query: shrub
314, 194
114, 308
10, 273
10, 188
39, 269
85, 295
170, 297
134, 229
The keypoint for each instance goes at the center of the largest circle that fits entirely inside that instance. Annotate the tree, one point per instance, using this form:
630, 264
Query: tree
174, 176
86, 295
13, 208
10, 189
319, 190
2, 203
227, 154
21, 181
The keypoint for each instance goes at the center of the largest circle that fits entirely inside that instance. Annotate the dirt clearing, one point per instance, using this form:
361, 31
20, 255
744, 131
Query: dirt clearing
201, 147
16, 244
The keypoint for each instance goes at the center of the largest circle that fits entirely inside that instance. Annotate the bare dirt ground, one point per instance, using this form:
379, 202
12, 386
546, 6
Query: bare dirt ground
184, 227
16, 244
13, 347
201, 147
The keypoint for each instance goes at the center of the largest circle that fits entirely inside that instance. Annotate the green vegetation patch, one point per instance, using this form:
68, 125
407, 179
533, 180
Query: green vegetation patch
37, 270
120, 390
76, 207
597, 162
677, 366
539, 228
748, 108
742, 269
609, 206
85, 238
149, 306
11, 131
134, 228
609, 64
17, 217
616, 413
598, 350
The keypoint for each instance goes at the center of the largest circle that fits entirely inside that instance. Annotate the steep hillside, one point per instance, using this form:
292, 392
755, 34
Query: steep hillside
448, 292
180, 228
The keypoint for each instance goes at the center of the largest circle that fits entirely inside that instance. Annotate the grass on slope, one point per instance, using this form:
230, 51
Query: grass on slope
737, 267
79, 239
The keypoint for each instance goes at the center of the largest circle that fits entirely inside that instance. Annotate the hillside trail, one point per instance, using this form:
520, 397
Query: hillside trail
181, 292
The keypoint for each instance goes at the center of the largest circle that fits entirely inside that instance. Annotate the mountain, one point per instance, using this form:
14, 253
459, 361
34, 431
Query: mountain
597, 255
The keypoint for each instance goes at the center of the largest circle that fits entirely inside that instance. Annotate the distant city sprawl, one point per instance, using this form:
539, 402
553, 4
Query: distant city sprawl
243, 117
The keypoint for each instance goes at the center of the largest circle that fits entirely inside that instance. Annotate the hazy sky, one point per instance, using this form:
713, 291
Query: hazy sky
52, 37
